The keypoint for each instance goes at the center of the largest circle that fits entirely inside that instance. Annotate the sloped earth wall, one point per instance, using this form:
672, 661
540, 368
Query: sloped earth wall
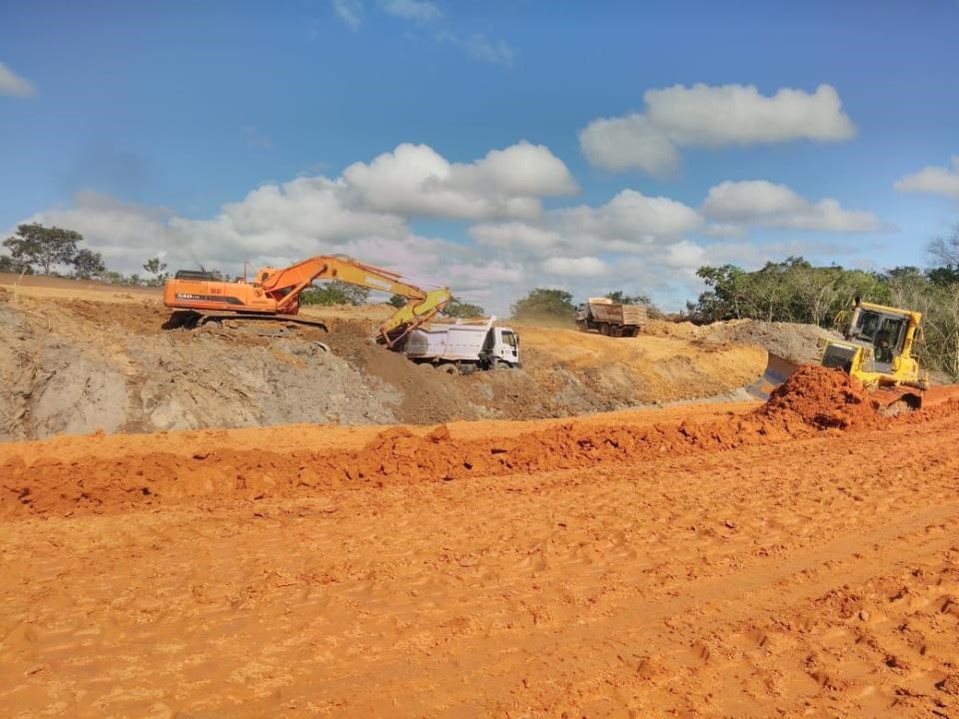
78, 366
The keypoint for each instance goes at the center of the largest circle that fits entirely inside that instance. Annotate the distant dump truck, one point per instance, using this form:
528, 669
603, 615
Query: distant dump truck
464, 346
610, 318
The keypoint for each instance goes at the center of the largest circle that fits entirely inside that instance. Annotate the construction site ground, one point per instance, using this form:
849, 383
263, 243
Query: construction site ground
798, 557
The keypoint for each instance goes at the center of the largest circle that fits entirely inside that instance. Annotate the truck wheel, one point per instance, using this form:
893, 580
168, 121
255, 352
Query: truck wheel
448, 368
604, 329
499, 364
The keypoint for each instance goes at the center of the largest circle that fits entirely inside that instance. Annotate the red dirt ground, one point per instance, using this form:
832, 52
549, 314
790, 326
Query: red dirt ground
795, 559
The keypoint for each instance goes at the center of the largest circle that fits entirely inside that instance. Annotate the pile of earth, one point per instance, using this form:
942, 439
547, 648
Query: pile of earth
824, 398
813, 401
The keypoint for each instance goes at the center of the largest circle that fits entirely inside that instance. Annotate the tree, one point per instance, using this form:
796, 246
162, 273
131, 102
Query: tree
155, 266
397, 301
335, 293
43, 247
8, 264
944, 251
621, 298
545, 304
457, 308
87, 264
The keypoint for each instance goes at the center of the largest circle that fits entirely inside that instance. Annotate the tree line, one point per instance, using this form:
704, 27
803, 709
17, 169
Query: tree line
797, 291
793, 290
556, 306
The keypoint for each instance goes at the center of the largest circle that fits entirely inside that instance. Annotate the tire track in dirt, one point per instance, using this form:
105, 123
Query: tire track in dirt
717, 583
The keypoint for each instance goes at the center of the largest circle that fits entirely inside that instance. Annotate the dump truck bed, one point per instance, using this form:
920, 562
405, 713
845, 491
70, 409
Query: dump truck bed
626, 315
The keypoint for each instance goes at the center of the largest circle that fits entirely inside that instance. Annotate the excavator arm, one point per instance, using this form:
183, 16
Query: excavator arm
277, 292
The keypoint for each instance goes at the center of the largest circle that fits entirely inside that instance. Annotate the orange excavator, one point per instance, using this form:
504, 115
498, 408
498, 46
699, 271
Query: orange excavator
275, 293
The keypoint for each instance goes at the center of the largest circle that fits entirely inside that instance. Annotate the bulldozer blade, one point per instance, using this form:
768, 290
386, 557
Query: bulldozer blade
778, 370
898, 400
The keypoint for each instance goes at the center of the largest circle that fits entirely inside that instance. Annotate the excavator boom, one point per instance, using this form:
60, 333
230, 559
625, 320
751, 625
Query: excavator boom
276, 292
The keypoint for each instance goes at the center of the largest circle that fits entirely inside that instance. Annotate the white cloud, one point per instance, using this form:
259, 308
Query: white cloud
933, 180
575, 266
626, 143
13, 84
419, 10
708, 116
516, 235
634, 242
630, 222
415, 180
480, 47
364, 213
685, 255
764, 204
351, 12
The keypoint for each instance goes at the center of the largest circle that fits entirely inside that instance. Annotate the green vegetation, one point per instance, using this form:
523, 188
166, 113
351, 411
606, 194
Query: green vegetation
335, 293
542, 304
88, 264
464, 310
156, 267
789, 291
37, 248
796, 291
620, 297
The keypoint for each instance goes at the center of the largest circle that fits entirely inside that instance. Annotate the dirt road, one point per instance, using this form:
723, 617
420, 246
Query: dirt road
776, 569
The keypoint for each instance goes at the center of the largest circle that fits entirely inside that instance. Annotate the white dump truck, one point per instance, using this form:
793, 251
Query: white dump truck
464, 346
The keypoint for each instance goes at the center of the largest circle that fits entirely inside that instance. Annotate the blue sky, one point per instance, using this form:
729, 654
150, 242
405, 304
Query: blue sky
148, 128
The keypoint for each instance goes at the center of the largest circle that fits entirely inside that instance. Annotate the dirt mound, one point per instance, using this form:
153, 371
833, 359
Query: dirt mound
812, 401
823, 398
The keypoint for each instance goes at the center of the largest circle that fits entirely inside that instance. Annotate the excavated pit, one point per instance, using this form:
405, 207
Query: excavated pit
79, 360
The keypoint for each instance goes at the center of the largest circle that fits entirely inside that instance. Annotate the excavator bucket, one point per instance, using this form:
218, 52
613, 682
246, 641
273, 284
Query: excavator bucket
778, 370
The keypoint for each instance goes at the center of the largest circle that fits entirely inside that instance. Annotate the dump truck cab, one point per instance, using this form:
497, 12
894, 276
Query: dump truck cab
877, 347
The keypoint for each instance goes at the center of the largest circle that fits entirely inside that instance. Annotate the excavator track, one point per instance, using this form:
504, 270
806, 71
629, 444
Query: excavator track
284, 324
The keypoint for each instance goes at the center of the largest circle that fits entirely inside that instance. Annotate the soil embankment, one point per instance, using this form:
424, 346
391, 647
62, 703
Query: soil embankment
113, 478
78, 359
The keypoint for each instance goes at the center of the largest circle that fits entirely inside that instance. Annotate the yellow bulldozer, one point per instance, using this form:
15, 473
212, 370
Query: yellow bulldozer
876, 349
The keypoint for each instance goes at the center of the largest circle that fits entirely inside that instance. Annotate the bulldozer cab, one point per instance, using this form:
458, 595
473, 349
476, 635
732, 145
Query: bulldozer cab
881, 331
